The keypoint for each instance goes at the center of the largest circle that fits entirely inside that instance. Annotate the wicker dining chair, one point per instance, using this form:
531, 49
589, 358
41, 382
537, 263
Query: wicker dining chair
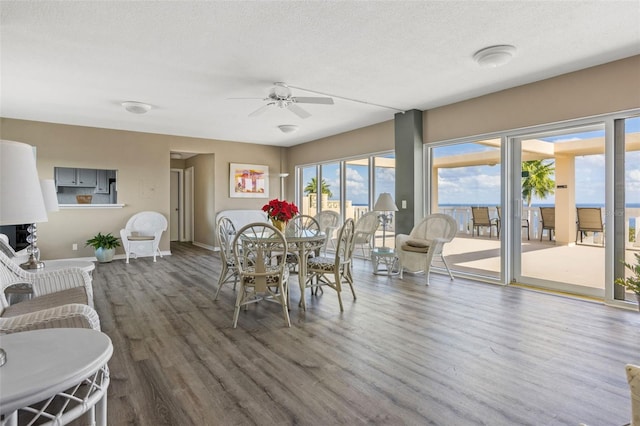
262, 270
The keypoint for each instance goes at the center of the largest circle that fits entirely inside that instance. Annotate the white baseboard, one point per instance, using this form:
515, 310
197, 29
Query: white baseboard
116, 257
204, 246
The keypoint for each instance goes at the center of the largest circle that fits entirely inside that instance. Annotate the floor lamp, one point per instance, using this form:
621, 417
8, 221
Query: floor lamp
282, 176
385, 204
21, 198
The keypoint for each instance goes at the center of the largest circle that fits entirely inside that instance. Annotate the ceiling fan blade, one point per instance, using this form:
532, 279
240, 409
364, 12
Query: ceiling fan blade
312, 100
298, 111
260, 110
242, 98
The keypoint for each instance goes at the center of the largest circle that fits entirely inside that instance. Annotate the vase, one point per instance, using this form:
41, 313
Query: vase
105, 255
280, 224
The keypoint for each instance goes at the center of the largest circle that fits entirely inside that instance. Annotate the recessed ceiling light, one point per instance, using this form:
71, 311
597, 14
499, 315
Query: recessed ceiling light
288, 128
136, 107
494, 56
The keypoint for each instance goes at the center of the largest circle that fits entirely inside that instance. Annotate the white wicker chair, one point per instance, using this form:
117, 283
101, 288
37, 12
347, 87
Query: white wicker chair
334, 271
61, 299
426, 240
18, 257
262, 269
365, 230
225, 233
141, 235
329, 221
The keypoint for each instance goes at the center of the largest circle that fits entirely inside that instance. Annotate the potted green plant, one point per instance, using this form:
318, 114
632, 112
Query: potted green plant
104, 245
632, 282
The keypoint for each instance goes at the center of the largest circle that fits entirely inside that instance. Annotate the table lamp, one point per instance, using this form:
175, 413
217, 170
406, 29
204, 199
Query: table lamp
50, 197
21, 199
385, 204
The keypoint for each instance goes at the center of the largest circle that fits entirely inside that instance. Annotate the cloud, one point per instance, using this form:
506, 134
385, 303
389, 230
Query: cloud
386, 174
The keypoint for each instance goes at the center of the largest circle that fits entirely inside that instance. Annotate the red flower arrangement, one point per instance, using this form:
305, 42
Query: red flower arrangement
280, 210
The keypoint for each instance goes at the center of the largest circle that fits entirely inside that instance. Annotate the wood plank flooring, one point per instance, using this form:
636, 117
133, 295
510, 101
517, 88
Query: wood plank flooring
454, 353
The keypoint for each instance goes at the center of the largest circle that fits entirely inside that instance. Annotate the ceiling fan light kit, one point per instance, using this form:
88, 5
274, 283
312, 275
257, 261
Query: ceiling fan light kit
280, 97
135, 107
494, 56
288, 128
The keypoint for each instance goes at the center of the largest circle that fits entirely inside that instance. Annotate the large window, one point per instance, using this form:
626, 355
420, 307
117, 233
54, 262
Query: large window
349, 187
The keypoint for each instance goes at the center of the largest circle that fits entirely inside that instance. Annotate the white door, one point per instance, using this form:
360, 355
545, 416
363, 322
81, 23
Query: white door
174, 219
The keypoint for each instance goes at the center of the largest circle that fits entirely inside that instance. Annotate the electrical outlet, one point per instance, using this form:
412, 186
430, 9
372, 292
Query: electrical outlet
74, 246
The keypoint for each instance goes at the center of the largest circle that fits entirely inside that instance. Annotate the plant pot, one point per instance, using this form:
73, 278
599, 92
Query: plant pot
105, 255
638, 298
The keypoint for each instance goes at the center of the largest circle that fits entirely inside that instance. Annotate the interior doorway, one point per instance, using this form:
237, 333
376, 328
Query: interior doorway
176, 219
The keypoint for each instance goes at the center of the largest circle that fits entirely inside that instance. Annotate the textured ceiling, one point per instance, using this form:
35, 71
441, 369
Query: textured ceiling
76, 62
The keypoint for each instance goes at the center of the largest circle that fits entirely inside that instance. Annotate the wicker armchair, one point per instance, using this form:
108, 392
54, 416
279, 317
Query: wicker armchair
417, 250
61, 299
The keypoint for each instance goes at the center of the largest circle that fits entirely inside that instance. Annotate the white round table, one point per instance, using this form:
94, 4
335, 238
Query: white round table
56, 265
67, 365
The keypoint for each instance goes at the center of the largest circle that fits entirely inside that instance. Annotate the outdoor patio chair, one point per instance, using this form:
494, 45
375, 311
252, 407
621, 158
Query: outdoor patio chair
548, 218
417, 250
525, 223
589, 220
480, 217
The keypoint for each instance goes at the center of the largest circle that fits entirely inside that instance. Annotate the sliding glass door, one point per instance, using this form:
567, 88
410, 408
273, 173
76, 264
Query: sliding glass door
466, 184
561, 196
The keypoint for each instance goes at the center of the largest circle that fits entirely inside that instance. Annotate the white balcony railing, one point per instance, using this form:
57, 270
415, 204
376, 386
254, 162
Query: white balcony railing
462, 214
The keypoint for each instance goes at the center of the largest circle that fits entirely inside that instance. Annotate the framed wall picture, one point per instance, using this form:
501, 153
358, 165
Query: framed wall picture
248, 181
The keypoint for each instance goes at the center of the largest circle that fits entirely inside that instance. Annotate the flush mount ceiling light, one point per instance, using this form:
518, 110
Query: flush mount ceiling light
136, 107
494, 56
176, 156
288, 128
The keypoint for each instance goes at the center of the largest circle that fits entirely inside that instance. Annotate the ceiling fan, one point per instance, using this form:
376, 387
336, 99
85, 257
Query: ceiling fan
280, 97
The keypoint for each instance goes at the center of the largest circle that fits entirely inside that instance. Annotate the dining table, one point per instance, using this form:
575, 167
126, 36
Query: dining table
303, 242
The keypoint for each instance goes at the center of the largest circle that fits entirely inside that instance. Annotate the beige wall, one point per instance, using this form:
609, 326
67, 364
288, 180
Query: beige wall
143, 165
598, 90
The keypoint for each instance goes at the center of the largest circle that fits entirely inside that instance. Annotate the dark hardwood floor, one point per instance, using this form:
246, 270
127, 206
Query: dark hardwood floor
454, 353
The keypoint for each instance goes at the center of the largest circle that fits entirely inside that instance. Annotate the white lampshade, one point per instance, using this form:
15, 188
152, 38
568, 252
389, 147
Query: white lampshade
48, 187
385, 203
21, 199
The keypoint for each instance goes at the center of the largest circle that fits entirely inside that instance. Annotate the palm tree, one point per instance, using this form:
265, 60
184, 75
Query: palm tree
537, 180
312, 187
